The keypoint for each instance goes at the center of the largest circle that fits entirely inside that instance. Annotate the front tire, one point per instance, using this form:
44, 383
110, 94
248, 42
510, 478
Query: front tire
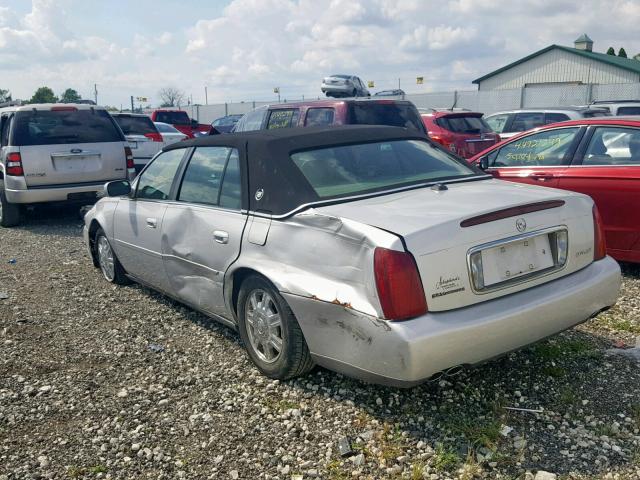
9, 212
108, 262
270, 332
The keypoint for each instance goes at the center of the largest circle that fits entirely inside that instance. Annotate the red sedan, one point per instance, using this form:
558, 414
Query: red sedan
598, 156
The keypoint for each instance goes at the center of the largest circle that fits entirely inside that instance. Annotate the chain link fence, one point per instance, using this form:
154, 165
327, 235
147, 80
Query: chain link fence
485, 101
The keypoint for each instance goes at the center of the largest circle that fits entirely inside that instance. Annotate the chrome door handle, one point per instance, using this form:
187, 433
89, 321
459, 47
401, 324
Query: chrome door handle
221, 236
152, 222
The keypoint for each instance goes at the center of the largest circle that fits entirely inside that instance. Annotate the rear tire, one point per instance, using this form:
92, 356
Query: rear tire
109, 264
270, 332
9, 212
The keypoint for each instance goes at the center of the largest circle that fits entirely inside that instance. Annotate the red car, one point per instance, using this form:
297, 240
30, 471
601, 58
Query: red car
596, 156
181, 121
464, 133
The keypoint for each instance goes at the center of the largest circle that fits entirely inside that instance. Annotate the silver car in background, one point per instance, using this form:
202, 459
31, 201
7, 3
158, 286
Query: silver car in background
170, 134
57, 153
344, 86
368, 250
143, 136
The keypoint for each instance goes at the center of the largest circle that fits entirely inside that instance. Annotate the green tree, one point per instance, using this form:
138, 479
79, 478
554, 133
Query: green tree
622, 53
70, 96
44, 95
5, 95
611, 51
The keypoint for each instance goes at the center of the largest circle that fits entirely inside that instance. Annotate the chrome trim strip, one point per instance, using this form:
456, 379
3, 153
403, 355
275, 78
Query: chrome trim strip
524, 278
216, 272
84, 153
137, 247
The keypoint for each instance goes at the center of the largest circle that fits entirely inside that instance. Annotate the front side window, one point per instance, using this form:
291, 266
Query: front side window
284, 118
361, 168
497, 122
547, 148
613, 146
526, 121
212, 178
156, 180
319, 116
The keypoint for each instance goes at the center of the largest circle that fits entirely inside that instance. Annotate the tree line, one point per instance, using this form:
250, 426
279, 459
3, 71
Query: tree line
621, 53
45, 95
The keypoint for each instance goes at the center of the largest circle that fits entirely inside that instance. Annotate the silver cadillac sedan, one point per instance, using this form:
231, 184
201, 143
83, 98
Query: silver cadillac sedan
368, 250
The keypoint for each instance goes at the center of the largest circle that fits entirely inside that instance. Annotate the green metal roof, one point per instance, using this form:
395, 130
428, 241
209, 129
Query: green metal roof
620, 62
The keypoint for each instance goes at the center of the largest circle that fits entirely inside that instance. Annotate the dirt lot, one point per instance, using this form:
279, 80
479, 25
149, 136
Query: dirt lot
98, 381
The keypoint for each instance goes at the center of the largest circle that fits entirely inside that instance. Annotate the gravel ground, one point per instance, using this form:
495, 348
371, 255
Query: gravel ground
98, 381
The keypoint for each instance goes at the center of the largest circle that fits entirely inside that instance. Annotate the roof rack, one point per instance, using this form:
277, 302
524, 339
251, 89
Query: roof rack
11, 103
613, 101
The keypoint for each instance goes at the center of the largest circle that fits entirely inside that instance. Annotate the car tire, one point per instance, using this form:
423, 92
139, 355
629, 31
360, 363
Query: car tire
111, 268
266, 323
9, 212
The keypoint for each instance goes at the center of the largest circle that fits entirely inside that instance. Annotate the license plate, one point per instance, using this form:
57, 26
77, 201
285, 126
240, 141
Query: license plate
516, 259
133, 145
79, 164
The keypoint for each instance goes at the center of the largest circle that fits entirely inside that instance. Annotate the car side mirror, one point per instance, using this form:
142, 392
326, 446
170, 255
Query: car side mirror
119, 188
483, 164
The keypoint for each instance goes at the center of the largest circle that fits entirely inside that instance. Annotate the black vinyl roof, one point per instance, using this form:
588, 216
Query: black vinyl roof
268, 158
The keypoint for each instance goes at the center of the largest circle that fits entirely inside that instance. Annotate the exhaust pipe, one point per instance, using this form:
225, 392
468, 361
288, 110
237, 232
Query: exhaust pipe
447, 373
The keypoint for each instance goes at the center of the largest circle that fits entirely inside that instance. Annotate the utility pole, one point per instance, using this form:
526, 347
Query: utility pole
95, 92
398, 84
206, 97
131, 103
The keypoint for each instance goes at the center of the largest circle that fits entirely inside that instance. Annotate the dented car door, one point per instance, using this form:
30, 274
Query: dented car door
202, 229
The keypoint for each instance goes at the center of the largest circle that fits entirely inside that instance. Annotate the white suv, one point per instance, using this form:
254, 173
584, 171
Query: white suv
57, 153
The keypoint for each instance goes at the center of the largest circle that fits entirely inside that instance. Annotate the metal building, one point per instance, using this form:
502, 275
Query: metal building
558, 65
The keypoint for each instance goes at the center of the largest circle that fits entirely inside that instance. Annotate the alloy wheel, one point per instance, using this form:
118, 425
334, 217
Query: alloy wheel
105, 258
264, 326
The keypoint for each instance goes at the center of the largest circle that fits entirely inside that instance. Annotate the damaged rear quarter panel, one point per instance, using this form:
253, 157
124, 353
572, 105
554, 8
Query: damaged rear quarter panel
322, 258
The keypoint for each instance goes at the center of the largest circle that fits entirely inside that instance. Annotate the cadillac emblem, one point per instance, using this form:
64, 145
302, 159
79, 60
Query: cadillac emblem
521, 224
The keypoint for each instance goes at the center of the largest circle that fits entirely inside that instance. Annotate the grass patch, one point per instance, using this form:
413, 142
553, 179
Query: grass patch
554, 371
478, 433
280, 405
336, 472
556, 349
568, 396
635, 413
606, 430
445, 459
618, 324
77, 472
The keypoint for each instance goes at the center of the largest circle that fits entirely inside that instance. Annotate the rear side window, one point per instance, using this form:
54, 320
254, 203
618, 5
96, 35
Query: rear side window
131, 125
174, 118
497, 122
555, 118
46, 127
319, 116
526, 121
392, 114
251, 121
212, 178
284, 118
7, 120
464, 124
629, 111
613, 146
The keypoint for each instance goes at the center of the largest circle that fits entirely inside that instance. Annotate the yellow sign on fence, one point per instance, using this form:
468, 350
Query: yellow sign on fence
419, 80
371, 84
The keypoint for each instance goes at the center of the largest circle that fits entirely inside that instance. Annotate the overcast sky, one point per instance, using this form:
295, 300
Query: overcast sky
241, 49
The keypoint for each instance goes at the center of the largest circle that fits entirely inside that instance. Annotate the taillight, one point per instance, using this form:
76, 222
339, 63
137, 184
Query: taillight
398, 282
14, 164
599, 243
156, 137
129, 156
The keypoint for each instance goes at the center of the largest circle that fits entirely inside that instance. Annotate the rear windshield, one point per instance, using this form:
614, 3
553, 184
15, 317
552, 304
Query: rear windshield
596, 113
362, 168
174, 118
166, 128
46, 127
629, 111
393, 114
135, 125
464, 124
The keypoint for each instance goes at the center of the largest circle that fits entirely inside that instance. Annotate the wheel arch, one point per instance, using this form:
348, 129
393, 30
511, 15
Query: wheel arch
234, 282
94, 226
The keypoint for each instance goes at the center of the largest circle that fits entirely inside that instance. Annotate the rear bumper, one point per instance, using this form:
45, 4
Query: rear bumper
57, 193
407, 353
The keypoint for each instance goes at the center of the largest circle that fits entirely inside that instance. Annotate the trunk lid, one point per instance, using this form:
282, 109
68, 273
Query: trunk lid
429, 221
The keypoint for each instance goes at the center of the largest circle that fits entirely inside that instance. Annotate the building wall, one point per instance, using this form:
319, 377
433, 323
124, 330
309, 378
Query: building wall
558, 66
